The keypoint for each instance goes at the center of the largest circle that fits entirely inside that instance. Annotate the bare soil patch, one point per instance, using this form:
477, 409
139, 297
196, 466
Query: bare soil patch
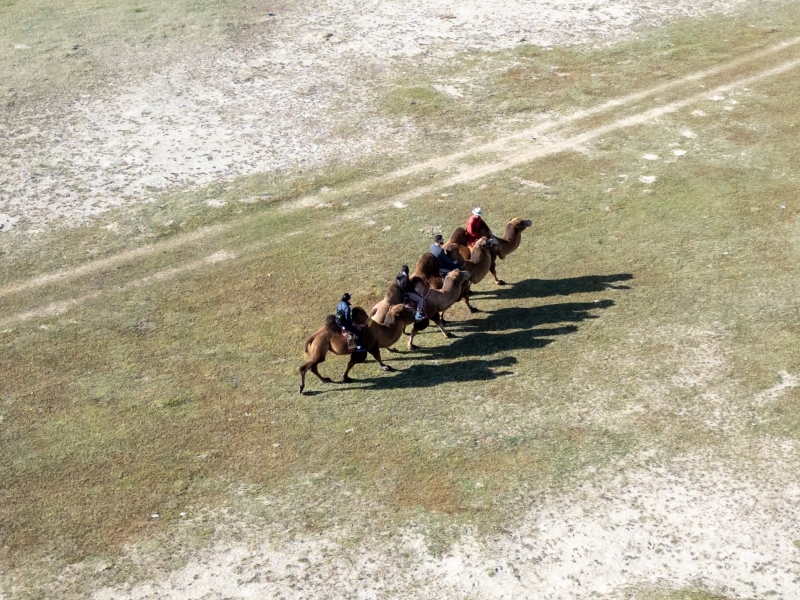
624, 533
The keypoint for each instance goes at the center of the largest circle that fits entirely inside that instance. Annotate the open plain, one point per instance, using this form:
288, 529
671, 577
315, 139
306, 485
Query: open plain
186, 189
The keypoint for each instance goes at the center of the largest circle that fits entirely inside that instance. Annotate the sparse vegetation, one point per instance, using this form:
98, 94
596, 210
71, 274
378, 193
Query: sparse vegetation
635, 306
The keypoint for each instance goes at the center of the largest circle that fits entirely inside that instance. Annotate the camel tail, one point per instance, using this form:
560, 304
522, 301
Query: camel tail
308, 343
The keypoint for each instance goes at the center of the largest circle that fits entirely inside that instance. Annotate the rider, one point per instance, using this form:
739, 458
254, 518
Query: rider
344, 319
404, 283
446, 264
477, 227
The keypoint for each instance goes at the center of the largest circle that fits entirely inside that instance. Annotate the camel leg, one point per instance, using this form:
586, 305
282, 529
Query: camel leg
311, 366
302, 378
465, 298
411, 345
321, 378
493, 271
438, 321
376, 354
355, 358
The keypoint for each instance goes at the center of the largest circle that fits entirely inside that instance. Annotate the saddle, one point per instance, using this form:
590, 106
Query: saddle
351, 339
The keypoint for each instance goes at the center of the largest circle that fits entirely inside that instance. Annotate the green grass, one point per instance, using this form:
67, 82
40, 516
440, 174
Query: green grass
165, 398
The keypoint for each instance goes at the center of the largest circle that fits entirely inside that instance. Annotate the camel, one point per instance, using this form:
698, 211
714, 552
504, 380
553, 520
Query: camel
512, 236
438, 301
374, 337
427, 268
434, 300
329, 338
478, 265
394, 323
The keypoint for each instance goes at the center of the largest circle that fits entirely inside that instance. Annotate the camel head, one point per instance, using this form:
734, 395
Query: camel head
485, 242
520, 224
515, 226
400, 313
360, 316
457, 276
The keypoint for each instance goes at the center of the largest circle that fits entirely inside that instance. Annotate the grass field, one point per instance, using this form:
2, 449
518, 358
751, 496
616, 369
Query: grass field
651, 316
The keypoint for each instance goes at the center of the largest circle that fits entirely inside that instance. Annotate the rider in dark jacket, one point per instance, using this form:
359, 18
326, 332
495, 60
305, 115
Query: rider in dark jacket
404, 283
446, 264
344, 319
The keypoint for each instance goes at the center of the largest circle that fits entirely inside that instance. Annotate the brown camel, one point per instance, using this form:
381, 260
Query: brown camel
394, 323
438, 301
374, 337
478, 265
505, 245
427, 268
329, 338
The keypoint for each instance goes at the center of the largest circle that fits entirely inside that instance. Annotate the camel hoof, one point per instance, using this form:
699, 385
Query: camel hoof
346, 380
473, 310
499, 282
386, 368
413, 347
326, 380
301, 389
392, 350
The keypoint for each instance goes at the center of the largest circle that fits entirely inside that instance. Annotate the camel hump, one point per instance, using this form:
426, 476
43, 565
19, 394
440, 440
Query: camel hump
427, 268
459, 237
330, 323
360, 316
394, 294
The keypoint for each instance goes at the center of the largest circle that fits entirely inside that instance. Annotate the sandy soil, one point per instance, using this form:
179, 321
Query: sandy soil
278, 103
676, 527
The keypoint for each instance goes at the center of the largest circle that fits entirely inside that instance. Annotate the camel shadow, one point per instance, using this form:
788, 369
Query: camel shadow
529, 327
517, 317
433, 374
502, 331
542, 288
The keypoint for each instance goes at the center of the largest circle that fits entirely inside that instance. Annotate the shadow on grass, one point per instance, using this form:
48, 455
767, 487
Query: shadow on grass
431, 374
485, 337
503, 331
542, 288
516, 317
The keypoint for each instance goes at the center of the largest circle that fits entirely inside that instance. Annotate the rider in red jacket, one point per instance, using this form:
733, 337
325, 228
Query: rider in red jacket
477, 227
